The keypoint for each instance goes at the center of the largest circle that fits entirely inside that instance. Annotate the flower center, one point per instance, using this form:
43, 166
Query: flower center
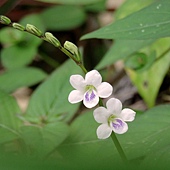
111, 119
90, 93
115, 122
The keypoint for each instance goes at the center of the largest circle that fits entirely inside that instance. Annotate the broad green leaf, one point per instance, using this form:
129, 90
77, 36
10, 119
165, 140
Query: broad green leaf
42, 140
146, 134
17, 56
74, 2
121, 49
159, 159
153, 77
9, 122
50, 100
131, 6
12, 80
63, 17
152, 22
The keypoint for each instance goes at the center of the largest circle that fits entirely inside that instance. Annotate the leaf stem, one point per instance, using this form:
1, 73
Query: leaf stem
119, 148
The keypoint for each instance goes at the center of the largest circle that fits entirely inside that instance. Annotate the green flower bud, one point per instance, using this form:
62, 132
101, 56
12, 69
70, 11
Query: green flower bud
53, 40
34, 30
5, 20
71, 47
18, 26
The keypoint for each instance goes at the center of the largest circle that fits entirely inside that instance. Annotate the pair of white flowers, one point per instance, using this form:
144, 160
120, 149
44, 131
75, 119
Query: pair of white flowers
90, 89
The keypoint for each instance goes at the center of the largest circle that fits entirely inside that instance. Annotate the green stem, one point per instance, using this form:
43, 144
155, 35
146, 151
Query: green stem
65, 51
119, 148
79, 63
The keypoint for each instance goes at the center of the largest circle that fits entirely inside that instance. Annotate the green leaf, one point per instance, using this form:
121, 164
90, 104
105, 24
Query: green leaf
161, 159
97, 7
9, 122
146, 134
15, 56
73, 18
131, 6
42, 140
74, 2
154, 75
121, 49
50, 100
10, 36
33, 19
12, 80
140, 61
152, 22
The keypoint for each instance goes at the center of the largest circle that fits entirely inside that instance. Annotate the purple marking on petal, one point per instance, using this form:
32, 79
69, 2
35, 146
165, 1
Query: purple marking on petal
87, 96
117, 124
90, 96
120, 122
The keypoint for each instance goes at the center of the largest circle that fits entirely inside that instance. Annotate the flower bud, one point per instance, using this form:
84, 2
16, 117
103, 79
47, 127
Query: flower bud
18, 26
53, 40
5, 20
34, 30
71, 47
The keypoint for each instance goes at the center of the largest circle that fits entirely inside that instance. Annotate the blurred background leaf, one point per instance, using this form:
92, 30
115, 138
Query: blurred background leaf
75, 2
55, 18
22, 77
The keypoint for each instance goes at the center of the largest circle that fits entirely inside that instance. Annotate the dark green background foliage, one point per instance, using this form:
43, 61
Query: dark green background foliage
51, 133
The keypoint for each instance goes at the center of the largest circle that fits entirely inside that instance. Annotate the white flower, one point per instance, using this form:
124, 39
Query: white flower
89, 89
113, 118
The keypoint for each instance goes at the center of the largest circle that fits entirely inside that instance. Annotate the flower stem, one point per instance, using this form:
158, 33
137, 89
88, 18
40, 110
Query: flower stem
119, 148
65, 51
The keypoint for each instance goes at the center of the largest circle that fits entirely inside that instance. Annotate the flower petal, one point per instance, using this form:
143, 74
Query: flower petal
114, 106
75, 96
93, 78
104, 90
103, 131
101, 115
77, 81
128, 115
90, 99
119, 126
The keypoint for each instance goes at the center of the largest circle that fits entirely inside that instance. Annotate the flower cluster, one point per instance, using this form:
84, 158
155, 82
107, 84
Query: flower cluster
90, 89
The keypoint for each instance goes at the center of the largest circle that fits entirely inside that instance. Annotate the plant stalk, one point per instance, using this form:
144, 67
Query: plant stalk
119, 148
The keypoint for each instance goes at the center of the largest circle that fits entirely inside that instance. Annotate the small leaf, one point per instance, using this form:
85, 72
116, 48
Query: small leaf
12, 80
16, 56
10, 36
140, 61
73, 18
